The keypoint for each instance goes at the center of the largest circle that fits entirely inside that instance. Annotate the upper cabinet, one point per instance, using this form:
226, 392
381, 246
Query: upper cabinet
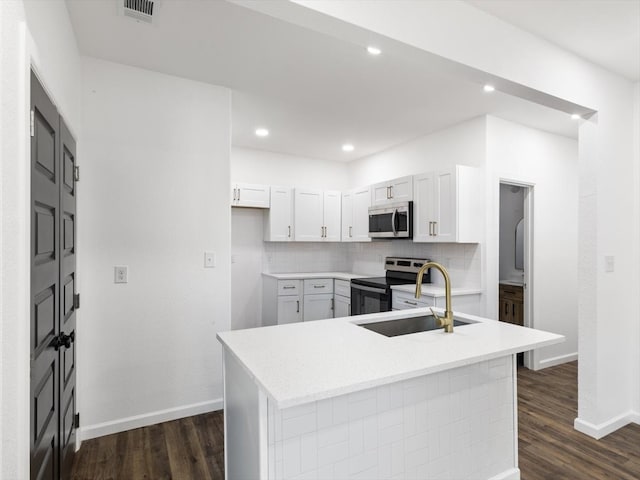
447, 206
317, 215
278, 219
355, 215
250, 195
392, 191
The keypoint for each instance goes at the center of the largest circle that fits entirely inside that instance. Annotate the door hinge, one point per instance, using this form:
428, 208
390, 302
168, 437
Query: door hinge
32, 123
76, 421
76, 301
76, 173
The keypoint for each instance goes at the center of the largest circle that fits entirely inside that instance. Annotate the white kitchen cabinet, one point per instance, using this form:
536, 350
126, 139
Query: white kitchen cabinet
278, 219
461, 302
355, 215
282, 301
448, 206
289, 309
392, 191
318, 299
316, 215
342, 298
318, 306
250, 195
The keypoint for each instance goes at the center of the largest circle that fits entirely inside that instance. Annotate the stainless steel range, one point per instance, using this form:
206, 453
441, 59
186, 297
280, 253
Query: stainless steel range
373, 295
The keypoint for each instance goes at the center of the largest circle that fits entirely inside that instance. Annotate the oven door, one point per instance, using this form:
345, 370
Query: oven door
365, 299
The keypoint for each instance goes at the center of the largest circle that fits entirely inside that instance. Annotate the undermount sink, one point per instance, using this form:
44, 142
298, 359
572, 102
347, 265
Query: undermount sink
406, 326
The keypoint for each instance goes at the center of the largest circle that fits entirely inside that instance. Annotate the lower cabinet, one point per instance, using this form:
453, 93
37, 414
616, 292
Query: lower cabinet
511, 304
318, 299
289, 309
460, 302
342, 298
290, 301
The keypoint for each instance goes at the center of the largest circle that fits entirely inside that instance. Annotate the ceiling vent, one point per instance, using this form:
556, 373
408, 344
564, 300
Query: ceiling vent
141, 10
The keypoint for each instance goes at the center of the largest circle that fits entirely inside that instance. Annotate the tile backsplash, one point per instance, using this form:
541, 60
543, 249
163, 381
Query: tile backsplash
463, 261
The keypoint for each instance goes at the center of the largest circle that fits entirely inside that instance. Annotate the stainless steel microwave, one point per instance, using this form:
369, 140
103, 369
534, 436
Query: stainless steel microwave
391, 221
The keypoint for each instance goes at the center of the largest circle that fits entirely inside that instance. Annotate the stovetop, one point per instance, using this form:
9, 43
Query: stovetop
382, 282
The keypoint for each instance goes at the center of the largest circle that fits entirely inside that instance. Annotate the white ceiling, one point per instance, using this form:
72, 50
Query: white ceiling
605, 32
312, 91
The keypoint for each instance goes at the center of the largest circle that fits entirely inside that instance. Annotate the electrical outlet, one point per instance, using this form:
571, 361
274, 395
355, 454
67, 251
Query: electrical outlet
121, 274
209, 259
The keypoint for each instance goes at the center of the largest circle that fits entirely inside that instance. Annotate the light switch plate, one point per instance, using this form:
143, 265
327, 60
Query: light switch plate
209, 259
609, 263
121, 274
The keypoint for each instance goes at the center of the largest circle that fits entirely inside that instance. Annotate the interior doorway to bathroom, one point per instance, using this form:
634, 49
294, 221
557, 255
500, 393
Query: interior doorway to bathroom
515, 248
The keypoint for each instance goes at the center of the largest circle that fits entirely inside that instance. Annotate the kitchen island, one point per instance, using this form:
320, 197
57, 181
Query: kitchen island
331, 399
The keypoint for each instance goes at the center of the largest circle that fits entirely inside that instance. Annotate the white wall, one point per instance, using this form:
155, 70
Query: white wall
261, 166
549, 163
462, 144
608, 166
38, 34
511, 212
155, 170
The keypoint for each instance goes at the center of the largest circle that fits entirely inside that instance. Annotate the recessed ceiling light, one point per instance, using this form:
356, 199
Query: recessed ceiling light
575, 116
262, 132
374, 50
489, 88
347, 147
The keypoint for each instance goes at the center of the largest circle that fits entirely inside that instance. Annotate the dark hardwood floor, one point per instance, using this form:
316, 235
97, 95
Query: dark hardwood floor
550, 449
549, 446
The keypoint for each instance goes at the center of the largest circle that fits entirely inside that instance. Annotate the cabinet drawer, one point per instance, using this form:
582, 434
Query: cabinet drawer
288, 287
404, 300
342, 287
511, 292
318, 285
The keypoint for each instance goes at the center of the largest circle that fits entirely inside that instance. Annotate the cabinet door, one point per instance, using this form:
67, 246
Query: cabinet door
445, 205
318, 307
251, 195
380, 193
308, 214
423, 208
289, 309
332, 214
342, 306
347, 217
360, 222
402, 189
279, 218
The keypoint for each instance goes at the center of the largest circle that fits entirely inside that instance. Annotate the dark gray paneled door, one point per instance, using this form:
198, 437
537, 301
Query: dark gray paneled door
52, 332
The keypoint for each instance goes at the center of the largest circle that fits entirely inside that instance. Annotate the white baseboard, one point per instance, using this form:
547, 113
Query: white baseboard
137, 421
553, 361
511, 474
605, 428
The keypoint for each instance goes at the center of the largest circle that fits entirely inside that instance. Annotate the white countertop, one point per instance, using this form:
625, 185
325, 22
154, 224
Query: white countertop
308, 361
435, 291
299, 276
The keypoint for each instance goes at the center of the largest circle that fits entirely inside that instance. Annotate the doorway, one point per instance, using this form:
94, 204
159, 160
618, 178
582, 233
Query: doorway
515, 254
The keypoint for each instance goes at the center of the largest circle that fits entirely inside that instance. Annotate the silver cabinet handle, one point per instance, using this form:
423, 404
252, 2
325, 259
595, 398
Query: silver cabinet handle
431, 229
289, 234
388, 192
391, 191
321, 232
288, 287
297, 306
411, 303
350, 231
318, 286
333, 304
234, 194
435, 229
238, 194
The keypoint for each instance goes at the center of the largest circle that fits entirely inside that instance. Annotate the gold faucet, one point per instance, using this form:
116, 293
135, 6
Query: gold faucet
447, 320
